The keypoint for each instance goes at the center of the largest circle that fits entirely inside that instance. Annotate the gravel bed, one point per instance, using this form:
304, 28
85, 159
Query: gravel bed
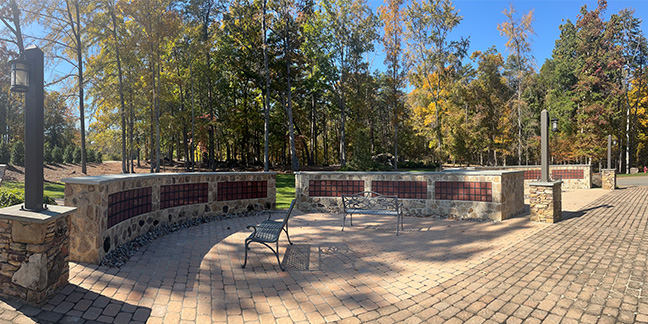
118, 257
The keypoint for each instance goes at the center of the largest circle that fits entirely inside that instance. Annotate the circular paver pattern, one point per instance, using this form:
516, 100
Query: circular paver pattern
590, 267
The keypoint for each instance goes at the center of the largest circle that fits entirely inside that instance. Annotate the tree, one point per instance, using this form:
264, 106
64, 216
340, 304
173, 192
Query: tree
598, 87
354, 29
518, 31
634, 56
393, 22
431, 52
67, 24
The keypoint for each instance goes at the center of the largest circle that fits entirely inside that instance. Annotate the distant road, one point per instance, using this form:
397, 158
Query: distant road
632, 181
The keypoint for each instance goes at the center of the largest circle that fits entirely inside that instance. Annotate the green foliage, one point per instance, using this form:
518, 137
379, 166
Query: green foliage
99, 157
18, 153
50, 189
10, 197
5, 153
47, 153
68, 154
15, 196
77, 155
91, 156
57, 155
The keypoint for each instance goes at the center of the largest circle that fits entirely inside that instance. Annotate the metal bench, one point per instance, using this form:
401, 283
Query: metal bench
372, 203
268, 232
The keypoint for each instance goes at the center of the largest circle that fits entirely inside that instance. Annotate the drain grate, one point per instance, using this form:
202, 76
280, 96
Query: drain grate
297, 257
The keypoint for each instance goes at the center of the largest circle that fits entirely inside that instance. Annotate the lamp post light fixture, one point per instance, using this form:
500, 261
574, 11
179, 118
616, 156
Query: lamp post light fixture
554, 124
19, 76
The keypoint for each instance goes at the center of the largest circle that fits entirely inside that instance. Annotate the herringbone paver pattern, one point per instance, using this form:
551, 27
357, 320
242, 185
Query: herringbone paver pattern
588, 268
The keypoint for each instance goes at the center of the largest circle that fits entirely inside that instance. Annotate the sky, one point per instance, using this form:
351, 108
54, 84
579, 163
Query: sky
480, 19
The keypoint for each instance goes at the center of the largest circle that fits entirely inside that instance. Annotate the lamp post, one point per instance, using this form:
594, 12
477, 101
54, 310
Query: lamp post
544, 146
27, 76
609, 151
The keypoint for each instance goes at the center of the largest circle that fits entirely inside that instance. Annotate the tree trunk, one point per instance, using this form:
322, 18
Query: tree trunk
266, 101
121, 90
79, 52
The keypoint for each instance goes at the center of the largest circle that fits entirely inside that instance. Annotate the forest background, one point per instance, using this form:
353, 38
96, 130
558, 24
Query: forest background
289, 82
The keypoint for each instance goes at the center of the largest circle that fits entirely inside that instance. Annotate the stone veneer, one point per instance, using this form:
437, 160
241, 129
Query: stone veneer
506, 188
608, 179
568, 183
545, 201
34, 250
91, 238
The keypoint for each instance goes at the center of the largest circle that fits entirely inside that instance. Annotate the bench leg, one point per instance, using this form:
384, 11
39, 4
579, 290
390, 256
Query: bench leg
246, 251
277, 255
287, 235
343, 221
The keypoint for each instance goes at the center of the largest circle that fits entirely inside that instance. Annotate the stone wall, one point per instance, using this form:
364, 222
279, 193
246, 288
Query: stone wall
570, 174
545, 202
495, 195
114, 209
608, 179
34, 252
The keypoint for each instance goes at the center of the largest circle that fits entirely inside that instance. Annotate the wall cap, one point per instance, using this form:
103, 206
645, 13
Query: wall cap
51, 213
459, 172
545, 184
106, 179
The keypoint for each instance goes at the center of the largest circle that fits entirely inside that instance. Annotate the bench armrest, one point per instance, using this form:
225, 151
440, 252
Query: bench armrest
253, 227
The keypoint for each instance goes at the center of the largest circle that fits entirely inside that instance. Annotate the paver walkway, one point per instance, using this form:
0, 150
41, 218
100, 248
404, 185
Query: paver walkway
590, 267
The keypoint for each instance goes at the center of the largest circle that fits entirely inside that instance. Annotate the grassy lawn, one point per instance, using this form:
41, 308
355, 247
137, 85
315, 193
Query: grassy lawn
623, 175
285, 190
51, 189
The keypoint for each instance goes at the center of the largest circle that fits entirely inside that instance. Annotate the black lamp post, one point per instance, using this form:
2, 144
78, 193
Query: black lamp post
27, 76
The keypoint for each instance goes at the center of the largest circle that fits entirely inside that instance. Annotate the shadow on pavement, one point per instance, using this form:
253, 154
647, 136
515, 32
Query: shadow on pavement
73, 304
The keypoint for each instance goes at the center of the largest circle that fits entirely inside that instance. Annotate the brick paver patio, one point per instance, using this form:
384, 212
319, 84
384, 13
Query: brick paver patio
591, 267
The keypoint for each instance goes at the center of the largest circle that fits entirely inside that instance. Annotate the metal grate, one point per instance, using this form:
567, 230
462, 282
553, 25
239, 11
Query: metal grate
183, 194
334, 188
126, 204
401, 189
463, 190
236, 190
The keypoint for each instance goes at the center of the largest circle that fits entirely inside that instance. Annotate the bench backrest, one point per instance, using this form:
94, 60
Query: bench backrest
287, 216
370, 200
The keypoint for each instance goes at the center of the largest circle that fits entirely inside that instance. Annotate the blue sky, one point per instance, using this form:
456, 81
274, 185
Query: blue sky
480, 19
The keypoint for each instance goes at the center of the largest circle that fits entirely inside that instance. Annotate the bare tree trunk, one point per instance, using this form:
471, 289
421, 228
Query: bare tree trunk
121, 88
266, 101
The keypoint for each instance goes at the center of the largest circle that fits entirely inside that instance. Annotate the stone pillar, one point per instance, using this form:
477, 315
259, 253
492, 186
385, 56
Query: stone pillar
545, 201
608, 179
34, 251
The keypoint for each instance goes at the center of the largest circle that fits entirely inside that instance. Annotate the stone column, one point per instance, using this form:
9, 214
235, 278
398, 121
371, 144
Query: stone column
545, 201
608, 179
34, 252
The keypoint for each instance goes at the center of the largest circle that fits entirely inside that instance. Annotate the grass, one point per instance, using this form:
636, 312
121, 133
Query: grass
51, 189
285, 190
623, 175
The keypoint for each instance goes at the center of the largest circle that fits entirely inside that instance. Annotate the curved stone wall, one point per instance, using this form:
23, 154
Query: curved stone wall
114, 209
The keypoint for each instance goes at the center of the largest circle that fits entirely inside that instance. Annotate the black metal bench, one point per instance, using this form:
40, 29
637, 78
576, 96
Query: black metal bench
268, 232
372, 203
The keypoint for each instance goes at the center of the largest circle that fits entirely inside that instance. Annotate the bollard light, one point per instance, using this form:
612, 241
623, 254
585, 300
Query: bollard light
554, 124
19, 76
